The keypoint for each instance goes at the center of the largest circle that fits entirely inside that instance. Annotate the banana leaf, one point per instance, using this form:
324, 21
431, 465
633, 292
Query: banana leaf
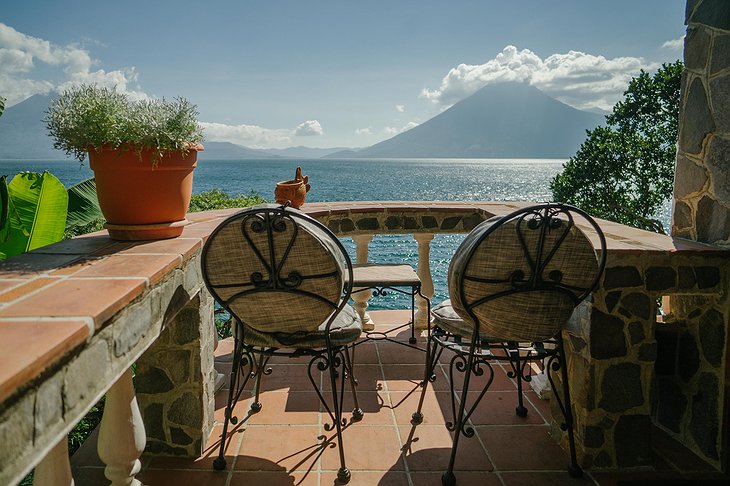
4, 210
83, 205
37, 212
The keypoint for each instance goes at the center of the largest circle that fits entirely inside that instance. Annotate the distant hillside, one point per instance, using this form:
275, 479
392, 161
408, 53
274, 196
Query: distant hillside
503, 120
304, 152
227, 150
23, 134
512, 120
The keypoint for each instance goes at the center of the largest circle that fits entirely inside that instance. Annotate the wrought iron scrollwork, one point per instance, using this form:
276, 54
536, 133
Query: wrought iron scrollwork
269, 224
474, 365
321, 362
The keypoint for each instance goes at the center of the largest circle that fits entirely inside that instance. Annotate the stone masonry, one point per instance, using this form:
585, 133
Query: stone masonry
626, 368
175, 402
692, 370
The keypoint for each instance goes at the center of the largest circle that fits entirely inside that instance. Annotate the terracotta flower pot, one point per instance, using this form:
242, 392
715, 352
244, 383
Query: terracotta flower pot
142, 200
293, 191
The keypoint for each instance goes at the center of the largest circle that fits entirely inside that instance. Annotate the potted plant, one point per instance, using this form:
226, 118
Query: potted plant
142, 153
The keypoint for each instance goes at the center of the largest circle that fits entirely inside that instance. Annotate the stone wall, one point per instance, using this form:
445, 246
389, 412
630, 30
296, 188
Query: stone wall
691, 373
400, 221
614, 346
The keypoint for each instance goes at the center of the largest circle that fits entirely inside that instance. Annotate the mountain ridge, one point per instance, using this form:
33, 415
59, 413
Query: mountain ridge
506, 120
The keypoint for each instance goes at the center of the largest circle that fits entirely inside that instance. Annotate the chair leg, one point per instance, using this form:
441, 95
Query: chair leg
357, 412
343, 474
428, 375
260, 372
412, 339
219, 463
520, 410
448, 478
574, 469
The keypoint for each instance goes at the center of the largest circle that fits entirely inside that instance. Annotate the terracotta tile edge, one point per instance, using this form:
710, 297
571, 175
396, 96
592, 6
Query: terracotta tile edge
51, 356
89, 321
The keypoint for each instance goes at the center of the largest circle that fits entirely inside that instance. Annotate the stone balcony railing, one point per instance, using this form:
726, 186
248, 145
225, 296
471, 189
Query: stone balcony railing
75, 317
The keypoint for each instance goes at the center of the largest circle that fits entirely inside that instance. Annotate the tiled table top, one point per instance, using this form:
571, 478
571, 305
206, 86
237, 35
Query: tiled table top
70, 289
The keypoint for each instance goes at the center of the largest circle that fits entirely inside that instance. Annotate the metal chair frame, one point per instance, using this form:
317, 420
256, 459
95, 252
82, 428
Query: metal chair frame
476, 356
382, 290
249, 361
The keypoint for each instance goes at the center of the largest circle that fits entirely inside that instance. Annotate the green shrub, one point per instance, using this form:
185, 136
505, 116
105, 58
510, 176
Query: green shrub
217, 199
89, 116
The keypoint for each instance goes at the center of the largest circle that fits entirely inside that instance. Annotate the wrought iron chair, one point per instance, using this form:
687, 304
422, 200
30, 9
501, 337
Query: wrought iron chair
514, 282
285, 279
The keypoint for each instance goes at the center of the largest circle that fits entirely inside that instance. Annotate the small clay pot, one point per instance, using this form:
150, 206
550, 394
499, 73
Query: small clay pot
293, 191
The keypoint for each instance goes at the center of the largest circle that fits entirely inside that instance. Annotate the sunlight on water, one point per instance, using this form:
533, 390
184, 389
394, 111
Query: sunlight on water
370, 180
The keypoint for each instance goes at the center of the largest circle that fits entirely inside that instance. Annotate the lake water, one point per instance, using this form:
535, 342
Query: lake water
367, 180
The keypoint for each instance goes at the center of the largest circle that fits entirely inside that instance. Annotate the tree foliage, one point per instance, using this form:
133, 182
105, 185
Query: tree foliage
624, 171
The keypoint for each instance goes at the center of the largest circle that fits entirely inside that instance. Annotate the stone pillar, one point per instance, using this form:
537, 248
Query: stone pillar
175, 382
361, 297
702, 212
424, 273
627, 369
702, 178
611, 353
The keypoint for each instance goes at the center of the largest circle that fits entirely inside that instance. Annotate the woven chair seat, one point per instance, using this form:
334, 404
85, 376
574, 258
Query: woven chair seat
345, 329
445, 317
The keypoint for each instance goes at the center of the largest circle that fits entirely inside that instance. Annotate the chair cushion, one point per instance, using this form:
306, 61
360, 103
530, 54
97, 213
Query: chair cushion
445, 317
313, 271
527, 315
345, 329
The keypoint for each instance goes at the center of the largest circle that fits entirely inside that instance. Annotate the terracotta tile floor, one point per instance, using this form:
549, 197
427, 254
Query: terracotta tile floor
282, 444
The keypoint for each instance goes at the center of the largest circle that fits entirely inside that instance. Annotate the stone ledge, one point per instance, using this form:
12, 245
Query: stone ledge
62, 379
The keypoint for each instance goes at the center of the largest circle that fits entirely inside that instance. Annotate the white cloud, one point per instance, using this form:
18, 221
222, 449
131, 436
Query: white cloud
259, 137
21, 76
674, 44
390, 131
582, 80
309, 128
249, 135
400, 108
364, 131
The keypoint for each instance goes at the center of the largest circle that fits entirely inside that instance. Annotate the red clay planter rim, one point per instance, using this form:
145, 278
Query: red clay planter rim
144, 194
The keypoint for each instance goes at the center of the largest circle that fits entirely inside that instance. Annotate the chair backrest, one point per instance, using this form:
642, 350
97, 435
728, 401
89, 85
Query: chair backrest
277, 270
519, 277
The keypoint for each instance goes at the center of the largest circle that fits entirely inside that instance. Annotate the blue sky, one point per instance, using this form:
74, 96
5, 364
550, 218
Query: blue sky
279, 73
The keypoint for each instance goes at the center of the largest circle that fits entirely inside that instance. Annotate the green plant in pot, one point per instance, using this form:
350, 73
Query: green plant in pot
143, 154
